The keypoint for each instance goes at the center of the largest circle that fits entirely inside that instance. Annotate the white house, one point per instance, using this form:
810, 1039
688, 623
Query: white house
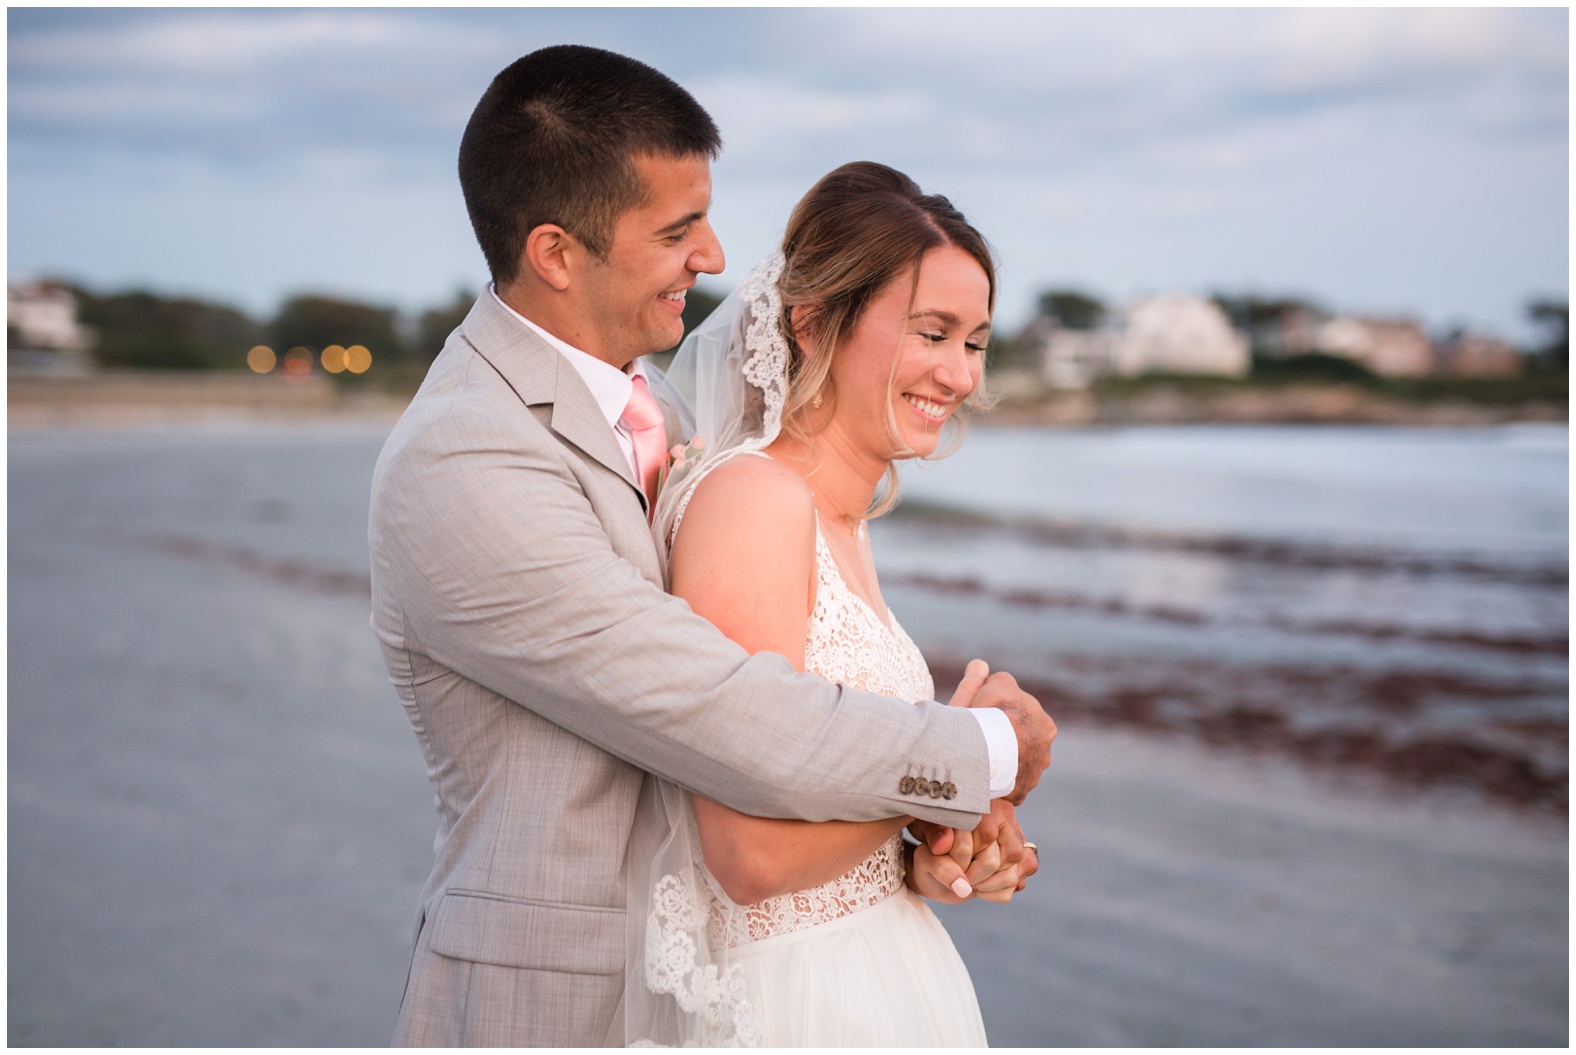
43, 334
1174, 333
43, 314
1178, 333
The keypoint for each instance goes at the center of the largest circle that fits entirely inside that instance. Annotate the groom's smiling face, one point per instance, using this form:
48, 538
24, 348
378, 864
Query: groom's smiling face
633, 301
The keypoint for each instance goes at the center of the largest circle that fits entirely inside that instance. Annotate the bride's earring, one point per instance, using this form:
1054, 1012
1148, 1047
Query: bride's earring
816, 402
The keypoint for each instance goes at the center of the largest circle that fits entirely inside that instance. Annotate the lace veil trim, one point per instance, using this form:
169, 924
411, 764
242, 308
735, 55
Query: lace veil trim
733, 370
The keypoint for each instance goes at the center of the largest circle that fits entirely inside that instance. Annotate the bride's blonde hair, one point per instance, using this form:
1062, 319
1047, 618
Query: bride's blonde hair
862, 226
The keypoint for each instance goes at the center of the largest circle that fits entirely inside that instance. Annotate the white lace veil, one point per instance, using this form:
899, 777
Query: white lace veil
680, 989
733, 370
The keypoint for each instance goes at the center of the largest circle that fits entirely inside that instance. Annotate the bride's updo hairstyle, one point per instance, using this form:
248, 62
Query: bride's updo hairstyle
861, 227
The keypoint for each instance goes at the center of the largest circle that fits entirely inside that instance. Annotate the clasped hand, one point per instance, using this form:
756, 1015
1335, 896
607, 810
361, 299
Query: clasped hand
991, 859
951, 865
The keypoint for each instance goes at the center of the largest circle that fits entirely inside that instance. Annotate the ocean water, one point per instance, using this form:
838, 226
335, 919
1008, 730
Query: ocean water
1493, 491
220, 822
1389, 599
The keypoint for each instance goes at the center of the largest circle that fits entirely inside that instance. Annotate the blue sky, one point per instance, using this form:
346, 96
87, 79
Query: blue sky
1398, 161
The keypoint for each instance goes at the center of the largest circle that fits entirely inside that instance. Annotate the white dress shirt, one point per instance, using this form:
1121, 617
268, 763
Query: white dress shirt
610, 387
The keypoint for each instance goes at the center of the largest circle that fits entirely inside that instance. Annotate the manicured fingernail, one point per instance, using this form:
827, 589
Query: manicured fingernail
960, 887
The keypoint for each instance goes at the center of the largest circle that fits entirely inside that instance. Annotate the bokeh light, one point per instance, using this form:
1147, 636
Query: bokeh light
333, 359
298, 364
357, 359
261, 359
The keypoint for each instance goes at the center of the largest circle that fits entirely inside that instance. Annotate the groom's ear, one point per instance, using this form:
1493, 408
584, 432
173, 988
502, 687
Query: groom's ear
552, 253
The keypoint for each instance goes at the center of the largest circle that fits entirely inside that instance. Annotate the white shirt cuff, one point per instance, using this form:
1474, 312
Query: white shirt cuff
1002, 744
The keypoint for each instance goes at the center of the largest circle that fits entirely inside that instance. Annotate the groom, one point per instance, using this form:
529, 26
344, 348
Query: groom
517, 591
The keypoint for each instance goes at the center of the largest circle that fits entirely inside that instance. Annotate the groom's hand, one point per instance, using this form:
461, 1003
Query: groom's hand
1034, 728
974, 676
1001, 865
998, 829
992, 858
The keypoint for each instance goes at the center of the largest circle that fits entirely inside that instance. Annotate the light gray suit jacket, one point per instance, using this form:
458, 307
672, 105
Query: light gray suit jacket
517, 593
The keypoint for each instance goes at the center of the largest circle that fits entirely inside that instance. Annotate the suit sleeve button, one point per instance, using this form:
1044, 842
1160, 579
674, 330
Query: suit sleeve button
949, 790
934, 789
905, 786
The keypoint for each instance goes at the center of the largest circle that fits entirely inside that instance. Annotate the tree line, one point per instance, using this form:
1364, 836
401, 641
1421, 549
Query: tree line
142, 330
139, 329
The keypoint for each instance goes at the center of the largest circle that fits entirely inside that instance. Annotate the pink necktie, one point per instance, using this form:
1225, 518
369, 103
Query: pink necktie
643, 418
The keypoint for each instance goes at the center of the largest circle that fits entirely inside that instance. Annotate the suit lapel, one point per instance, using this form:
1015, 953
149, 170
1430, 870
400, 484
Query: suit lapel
539, 375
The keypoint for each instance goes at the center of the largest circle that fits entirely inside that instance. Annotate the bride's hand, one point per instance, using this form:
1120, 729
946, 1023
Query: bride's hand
974, 676
937, 876
1001, 867
994, 857
1000, 886
992, 876
1004, 861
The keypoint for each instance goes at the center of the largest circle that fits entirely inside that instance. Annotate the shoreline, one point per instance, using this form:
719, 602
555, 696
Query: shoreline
1166, 403
133, 400
111, 400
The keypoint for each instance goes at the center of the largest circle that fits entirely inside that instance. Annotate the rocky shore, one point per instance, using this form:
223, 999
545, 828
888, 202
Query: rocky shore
1023, 400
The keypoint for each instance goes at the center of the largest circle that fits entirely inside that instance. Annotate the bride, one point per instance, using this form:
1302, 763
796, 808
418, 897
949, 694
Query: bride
846, 351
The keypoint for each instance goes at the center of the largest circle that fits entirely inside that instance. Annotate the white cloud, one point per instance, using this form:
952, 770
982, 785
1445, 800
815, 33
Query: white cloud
767, 121
228, 46
235, 87
1131, 147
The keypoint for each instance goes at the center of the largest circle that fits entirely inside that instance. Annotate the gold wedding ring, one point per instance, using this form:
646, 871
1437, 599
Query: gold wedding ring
1031, 846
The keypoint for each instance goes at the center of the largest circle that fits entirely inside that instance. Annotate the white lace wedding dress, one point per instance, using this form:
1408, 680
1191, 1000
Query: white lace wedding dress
859, 961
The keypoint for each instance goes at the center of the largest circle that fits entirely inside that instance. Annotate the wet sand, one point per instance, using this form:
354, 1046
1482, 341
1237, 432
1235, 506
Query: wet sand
219, 820
1198, 897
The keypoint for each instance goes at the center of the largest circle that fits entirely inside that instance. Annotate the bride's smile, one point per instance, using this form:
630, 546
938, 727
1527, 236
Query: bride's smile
914, 356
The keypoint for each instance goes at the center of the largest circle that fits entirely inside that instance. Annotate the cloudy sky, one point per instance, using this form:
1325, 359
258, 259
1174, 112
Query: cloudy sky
1399, 161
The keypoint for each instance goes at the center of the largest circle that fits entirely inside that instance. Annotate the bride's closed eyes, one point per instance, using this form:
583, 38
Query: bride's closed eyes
974, 344
941, 325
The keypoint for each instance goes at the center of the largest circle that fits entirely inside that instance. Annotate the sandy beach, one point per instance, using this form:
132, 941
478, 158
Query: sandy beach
219, 819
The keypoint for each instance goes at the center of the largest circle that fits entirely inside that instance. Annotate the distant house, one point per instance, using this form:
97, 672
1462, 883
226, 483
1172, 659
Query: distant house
1173, 333
43, 314
1177, 333
42, 331
1070, 359
1390, 347
1480, 355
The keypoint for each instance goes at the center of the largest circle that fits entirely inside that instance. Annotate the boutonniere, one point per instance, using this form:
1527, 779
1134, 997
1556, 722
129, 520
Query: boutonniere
680, 457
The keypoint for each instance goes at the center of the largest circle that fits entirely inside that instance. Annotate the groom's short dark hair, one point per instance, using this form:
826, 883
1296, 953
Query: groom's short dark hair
554, 138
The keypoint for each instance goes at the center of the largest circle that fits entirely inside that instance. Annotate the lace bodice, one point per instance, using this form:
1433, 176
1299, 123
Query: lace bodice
846, 642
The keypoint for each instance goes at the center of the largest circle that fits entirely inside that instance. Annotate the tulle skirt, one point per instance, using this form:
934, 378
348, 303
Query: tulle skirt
885, 976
